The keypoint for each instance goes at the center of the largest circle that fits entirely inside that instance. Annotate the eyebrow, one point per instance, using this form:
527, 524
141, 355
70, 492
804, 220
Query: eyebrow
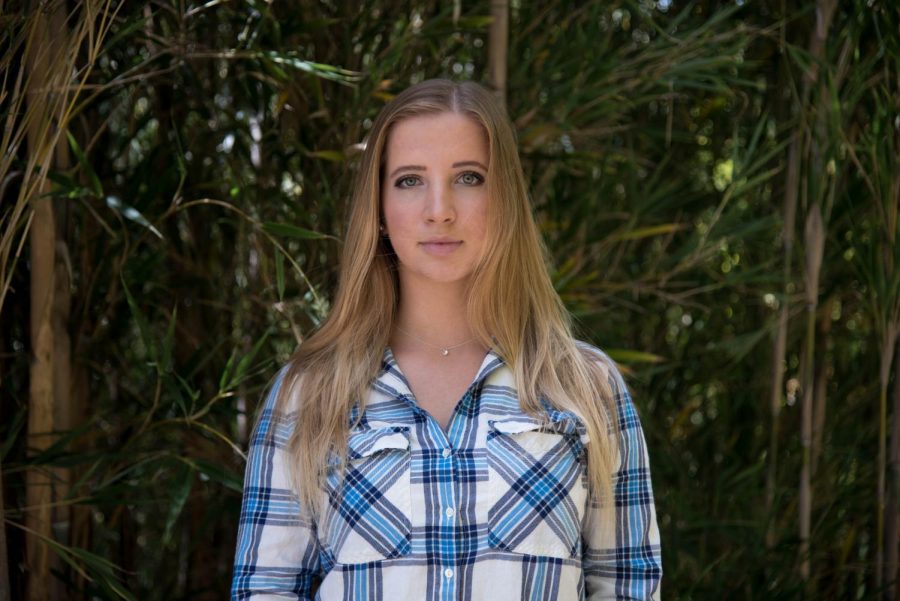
424, 168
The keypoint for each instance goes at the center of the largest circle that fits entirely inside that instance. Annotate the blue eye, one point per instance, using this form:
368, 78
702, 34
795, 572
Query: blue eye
470, 178
407, 181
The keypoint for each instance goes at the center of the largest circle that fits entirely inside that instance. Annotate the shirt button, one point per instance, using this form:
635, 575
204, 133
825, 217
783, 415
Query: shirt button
449, 512
446, 453
448, 573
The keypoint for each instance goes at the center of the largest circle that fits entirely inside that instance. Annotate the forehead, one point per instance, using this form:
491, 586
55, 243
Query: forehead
441, 136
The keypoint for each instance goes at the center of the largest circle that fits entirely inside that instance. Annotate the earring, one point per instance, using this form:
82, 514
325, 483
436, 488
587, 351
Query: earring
381, 229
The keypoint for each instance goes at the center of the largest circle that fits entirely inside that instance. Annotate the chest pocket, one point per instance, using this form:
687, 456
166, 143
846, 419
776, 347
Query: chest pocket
368, 517
538, 486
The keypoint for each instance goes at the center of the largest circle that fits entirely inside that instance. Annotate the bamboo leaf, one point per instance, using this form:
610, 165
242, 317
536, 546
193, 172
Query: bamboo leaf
225, 378
215, 472
14, 427
738, 347
240, 372
322, 70
90, 566
632, 356
335, 156
279, 274
182, 490
291, 231
476, 21
96, 186
169, 343
650, 231
141, 321
116, 204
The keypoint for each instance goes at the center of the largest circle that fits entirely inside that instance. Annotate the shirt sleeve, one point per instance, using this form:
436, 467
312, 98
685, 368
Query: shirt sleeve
277, 554
621, 558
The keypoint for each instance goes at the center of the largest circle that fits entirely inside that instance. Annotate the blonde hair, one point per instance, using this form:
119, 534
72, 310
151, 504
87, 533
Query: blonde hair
527, 326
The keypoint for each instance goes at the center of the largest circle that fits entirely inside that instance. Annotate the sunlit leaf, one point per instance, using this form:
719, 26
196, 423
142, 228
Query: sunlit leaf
649, 231
632, 356
116, 204
329, 155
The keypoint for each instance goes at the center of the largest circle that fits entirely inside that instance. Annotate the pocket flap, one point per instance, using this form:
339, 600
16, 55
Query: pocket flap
558, 422
515, 425
363, 443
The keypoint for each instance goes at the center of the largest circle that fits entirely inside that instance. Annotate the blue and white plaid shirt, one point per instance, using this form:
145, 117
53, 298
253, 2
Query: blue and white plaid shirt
495, 508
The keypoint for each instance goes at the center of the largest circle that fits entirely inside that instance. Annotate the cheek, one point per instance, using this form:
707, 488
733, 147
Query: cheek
389, 210
397, 221
478, 219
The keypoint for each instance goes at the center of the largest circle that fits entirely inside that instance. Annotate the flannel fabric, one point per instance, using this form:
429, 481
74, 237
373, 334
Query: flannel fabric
495, 508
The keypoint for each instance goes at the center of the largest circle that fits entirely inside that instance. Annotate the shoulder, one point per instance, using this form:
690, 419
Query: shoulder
626, 412
607, 366
277, 412
283, 390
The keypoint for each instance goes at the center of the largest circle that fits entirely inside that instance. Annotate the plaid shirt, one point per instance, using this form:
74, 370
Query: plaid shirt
497, 507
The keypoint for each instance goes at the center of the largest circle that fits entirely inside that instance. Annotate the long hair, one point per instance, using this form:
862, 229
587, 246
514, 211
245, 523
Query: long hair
526, 325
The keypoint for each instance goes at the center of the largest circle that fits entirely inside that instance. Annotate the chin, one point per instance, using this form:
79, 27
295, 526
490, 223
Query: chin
440, 276
448, 278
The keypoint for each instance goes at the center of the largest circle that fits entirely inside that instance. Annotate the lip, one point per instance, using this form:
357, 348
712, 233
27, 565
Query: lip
440, 246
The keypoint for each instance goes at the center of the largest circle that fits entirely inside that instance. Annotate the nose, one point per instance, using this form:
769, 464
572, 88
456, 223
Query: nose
440, 206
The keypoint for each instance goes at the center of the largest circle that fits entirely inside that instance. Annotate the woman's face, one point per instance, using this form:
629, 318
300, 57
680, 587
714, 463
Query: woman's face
434, 196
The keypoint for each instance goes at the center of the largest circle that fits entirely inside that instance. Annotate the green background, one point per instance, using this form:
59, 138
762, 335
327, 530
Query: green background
202, 213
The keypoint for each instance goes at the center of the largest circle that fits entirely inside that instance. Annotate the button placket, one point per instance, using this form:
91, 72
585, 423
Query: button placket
449, 511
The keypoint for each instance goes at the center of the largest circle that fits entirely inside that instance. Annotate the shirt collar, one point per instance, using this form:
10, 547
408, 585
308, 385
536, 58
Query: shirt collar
391, 381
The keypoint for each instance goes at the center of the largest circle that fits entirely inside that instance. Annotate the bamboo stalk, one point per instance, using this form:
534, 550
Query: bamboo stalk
889, 341
51, 56
891, 515
780, 345
41, 393
824, 14
892, 507
792, 186
41, 54
823, 373
5, 593
814, 239
498, 44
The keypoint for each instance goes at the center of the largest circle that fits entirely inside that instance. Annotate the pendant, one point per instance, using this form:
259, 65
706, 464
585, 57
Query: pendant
445, 352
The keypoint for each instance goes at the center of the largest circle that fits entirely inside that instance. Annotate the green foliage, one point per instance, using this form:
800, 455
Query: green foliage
212, 154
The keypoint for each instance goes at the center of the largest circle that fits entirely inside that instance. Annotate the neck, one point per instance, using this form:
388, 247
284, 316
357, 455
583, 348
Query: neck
433, 312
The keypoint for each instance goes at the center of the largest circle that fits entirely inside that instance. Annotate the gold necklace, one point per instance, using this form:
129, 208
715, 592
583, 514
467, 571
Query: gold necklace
445, 350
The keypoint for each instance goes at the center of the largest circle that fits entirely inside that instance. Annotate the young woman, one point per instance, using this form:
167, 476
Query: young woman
442, 435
